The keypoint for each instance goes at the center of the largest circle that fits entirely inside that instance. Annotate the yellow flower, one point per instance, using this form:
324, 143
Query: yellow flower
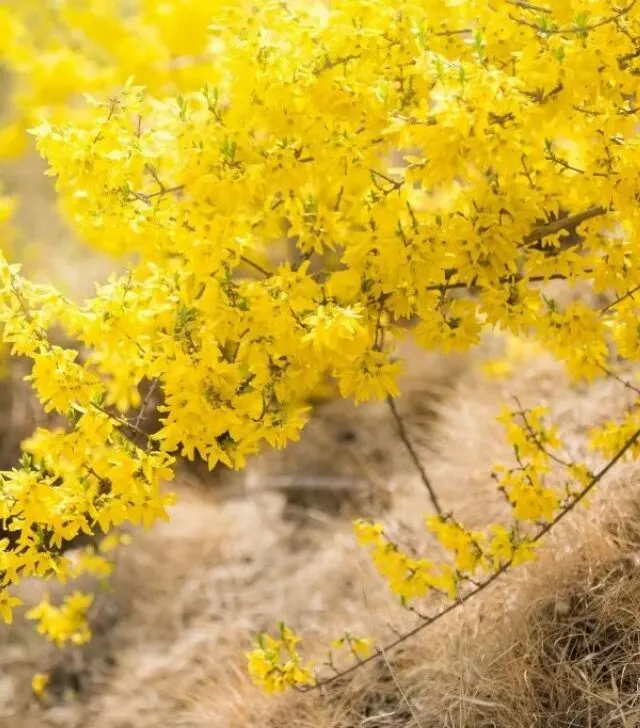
39, 683
7, 604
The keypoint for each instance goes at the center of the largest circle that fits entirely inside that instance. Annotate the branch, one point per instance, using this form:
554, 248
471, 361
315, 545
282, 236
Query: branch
443, 287
613, 304
123, 422
528, 6
445, 33
575, 28
428, 621
395, 184
563, 223
343, 60
414, 456
536, 440
255, 265
142, 412
626, 384
571, 221
148, 197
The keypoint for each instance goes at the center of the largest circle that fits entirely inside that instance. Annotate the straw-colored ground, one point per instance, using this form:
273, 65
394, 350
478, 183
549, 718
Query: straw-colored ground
555, 644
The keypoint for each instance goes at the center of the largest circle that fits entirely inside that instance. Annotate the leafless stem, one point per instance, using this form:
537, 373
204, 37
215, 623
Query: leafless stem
621, 380
414, 456
256, 266
142, 413
528, 6
482, 586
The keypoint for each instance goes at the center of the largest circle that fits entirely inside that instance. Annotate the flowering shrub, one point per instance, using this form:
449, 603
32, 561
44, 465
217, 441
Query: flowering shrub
435, 162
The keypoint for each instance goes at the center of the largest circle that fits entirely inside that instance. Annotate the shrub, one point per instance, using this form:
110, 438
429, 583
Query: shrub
431, 165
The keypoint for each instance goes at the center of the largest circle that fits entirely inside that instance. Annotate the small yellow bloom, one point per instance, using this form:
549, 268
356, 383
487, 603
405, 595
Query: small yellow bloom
7, 603
39, 683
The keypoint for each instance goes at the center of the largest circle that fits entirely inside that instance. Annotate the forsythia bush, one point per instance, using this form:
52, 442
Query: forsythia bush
431, 161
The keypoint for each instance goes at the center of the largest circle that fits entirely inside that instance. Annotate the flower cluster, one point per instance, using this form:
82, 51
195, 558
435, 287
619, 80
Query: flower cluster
275, 664
66, 623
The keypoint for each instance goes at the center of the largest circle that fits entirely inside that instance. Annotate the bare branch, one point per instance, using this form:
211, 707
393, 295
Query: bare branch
255, 265
414, 456
626, 384
443, 287
462, 31
528, 6
571, 221
542, 532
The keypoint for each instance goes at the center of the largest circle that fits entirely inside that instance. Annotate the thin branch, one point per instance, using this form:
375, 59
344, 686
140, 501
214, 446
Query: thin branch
165, 191
255, 265
536, 440
443, 287
148, 197
633, 440
563, 223
445, 33
338, 62
414, 456
613, 304
576, 28
528, 6
564, 164
571, 221
396, 185
624, 382
142, 413
122, 421
527, 172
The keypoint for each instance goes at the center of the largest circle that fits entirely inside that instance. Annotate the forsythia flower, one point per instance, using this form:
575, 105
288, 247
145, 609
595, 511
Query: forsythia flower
359, 646
408, 577
467, 546
67, 623
39, 683
275, 664
7, 603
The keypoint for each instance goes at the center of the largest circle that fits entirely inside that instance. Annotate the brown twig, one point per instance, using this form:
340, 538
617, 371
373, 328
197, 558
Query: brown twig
528, 6
571, 221
256, 266
544, 530
445, 33
142, 413
122, 421
414, 456
563, 223
576, 28
536, 440
613, 304
617, 378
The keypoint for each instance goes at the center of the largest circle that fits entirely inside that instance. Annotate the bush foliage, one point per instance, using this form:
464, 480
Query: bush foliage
293, 186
